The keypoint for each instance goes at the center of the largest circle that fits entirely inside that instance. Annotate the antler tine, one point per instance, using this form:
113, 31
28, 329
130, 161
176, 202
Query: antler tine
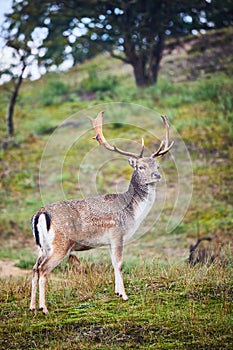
97, 125
164, 145
142, 148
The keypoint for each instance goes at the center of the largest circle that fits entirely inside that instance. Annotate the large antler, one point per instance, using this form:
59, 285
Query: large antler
164, 146
97, 125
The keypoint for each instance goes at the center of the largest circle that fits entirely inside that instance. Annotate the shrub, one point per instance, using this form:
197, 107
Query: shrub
208, 89
98, 85
26, 263
54, 92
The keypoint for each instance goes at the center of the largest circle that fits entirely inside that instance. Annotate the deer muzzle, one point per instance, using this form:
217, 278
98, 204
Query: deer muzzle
156, 176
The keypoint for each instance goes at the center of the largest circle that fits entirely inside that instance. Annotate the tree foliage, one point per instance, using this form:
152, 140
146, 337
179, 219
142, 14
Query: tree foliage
134, 30
50, 32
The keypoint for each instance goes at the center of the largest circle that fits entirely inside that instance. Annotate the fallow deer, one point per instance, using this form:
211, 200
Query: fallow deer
106, 220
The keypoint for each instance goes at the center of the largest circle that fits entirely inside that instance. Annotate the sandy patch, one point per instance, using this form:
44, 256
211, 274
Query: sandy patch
8, 268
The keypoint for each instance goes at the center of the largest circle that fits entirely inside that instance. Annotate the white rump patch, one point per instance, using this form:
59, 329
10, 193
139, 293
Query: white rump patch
46, 237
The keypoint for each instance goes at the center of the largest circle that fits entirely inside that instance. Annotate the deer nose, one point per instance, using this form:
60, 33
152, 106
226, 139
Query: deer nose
156, 175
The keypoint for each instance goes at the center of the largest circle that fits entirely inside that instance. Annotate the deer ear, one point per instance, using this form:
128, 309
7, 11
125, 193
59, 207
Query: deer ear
132, 162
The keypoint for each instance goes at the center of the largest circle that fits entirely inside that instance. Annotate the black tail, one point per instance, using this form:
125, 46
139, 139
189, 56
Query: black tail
34, 222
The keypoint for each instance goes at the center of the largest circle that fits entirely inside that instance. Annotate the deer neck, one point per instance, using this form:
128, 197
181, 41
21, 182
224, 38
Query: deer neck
140, 198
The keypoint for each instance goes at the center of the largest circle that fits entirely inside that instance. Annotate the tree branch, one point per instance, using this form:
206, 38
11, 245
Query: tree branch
119, 57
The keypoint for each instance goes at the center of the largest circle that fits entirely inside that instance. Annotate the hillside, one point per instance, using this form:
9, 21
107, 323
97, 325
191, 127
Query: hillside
173, 305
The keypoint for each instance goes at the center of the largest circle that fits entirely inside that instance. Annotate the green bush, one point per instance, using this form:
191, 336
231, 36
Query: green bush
54, 92
26, 263
98, 85
208, 89
225, 98
217, 88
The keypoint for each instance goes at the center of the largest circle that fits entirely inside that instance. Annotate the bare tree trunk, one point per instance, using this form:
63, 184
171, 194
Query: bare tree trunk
146, 73
145, 56
145, 63
154, 59
139, 73
13, 98
137, 61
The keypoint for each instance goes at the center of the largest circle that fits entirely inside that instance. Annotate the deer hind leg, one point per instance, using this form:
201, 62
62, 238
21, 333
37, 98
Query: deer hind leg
116, 253
35, 280
44, 265
45, 268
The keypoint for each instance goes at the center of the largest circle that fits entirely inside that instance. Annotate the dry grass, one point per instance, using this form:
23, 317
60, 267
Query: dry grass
170, 307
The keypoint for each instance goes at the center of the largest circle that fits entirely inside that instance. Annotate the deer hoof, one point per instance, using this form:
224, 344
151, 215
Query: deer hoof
44, 310
124, 297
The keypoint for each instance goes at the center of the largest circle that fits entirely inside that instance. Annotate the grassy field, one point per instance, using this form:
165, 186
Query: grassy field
172, 305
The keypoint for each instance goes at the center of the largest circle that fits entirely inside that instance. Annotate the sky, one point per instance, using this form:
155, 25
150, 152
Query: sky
5, 6
5, 54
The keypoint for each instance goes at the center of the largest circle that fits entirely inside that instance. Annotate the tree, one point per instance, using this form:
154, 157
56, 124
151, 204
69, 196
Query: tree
137, 29
14, 72
50, 32
17, 83
131, 30
24, 32
23, 48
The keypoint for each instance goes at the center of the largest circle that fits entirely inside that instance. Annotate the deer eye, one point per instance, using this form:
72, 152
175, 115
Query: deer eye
141, 167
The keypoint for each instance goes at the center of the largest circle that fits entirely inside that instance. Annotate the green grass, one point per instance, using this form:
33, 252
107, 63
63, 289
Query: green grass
170, 307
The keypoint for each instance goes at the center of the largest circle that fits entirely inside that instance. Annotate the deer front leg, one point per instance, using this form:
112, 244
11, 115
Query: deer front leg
116, 253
